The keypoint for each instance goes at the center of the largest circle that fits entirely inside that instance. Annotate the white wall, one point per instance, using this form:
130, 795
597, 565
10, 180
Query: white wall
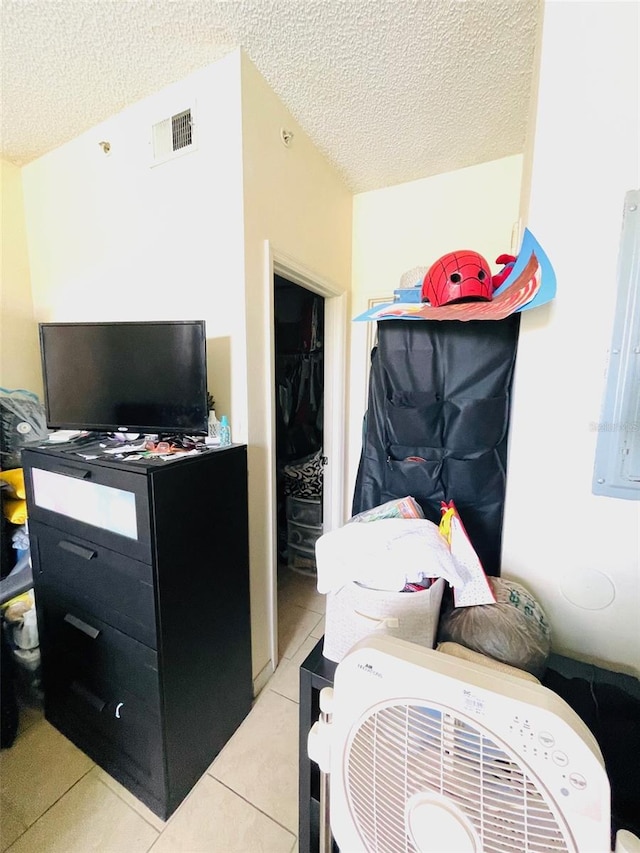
112, 238
412, 225
573, 550
19, 349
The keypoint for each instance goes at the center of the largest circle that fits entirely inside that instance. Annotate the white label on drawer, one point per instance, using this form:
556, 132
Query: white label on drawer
102, 506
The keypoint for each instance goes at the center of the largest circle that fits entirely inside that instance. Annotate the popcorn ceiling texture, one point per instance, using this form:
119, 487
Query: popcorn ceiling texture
389, 90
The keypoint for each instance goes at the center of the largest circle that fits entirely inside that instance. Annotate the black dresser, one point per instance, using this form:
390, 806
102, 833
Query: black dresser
141, 577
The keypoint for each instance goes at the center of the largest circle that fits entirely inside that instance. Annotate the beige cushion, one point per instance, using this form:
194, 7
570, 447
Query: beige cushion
464, 653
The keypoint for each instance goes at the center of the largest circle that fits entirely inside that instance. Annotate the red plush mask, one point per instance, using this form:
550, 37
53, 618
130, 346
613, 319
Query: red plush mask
458, 277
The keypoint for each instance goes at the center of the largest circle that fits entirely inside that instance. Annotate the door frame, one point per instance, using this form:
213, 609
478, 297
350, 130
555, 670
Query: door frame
334, 403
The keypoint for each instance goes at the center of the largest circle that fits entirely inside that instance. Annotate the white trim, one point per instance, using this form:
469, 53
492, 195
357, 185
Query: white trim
335, 417
271, 508
262, 678
335, 338
372, 337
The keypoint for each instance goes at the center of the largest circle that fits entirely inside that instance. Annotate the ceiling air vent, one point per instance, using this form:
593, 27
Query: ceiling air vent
172, 137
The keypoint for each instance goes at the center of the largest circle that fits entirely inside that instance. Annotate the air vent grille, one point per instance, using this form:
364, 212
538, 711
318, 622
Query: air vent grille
173, 136
181, 130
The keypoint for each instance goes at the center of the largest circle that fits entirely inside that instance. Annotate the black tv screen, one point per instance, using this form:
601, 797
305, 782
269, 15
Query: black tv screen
146, 377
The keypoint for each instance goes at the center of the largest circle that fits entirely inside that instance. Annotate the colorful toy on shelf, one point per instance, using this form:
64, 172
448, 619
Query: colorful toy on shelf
525, 281
508, 262
456, 277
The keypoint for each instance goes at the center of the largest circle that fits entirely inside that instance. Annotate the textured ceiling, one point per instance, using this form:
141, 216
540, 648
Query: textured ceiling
389, 90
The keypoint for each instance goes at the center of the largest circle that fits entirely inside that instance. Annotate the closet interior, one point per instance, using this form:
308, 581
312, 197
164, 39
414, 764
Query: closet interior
299, 396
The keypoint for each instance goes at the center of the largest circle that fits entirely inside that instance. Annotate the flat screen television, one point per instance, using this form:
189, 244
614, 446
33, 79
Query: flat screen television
145, 377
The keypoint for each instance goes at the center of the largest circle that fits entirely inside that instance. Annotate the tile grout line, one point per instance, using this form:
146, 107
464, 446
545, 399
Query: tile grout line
159, 832
123, 800
253, 806
49, 807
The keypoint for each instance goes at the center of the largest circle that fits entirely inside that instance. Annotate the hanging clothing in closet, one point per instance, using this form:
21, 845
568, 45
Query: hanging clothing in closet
299, 384
299, 394
299, 368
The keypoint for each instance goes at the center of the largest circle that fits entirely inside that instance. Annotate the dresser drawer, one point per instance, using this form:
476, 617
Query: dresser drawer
104, 583
103, 505
115, 729
76, 646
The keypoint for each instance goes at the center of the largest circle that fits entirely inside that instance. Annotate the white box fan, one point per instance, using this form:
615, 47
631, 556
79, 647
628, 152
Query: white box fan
427, 753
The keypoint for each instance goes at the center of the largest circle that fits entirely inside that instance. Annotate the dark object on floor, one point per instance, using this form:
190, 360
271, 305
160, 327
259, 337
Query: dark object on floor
613, 716
10, 587
8, 700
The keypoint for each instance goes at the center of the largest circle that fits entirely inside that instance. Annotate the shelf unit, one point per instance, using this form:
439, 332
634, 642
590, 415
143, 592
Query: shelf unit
316, 672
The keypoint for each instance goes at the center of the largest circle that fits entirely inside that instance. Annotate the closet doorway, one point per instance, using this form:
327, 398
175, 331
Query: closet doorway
292, 628
299, 371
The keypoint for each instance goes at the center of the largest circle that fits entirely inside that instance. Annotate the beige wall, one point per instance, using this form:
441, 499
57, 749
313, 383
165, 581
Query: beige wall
580, 554
19, 349
411, 225
294, 200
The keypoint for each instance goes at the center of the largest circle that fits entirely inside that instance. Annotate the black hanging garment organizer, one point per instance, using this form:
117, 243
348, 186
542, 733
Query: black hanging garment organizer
437, 423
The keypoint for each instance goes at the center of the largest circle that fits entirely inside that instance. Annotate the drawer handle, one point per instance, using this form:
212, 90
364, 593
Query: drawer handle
88, 696
72, 471
78, 550
89, 630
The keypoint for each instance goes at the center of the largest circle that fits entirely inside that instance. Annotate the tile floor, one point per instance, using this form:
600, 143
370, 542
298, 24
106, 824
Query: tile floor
54, 799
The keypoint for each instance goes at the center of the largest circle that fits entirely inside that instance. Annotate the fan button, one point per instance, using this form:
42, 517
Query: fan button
578, 781
546, 739
560, 758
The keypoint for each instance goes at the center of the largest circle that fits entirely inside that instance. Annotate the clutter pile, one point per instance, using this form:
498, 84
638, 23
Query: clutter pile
14, 503
21, 626
386, 571
22, 423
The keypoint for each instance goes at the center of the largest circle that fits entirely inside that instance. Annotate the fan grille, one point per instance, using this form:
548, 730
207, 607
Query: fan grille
401, 750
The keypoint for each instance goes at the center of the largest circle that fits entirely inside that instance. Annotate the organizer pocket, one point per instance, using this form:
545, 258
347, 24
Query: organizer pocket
415, 418
475, 425
472, 481
414, 475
